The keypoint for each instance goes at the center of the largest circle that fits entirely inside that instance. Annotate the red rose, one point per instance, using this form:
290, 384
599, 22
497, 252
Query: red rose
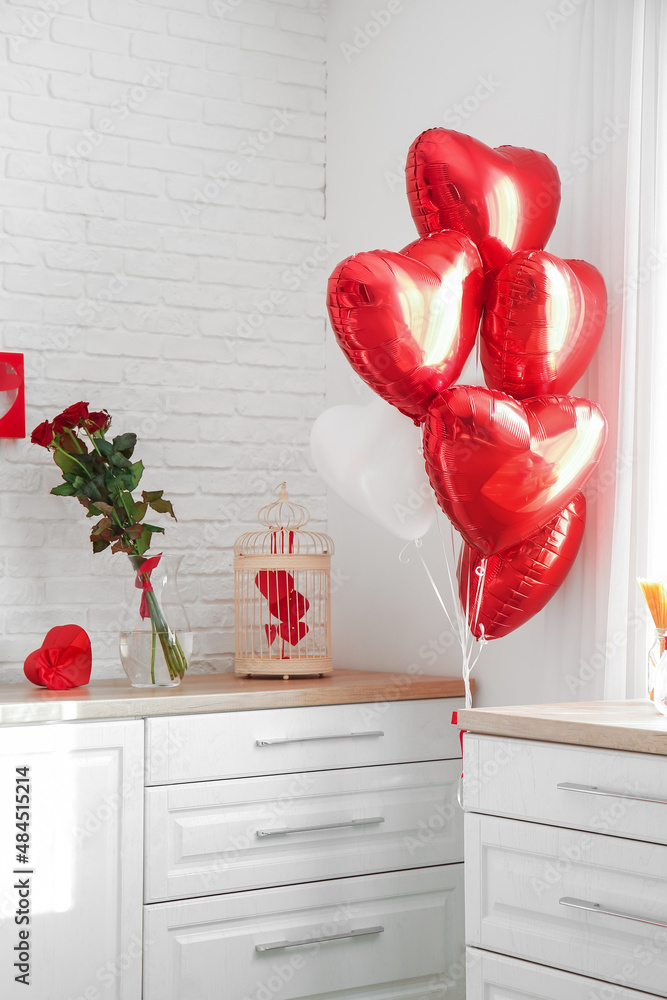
98, 421
43, 434
70, 417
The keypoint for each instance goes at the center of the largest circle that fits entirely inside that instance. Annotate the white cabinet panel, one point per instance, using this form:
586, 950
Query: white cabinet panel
520, 779
518, 874
392, 928
222, 836
287, 740
85, 853
496, 977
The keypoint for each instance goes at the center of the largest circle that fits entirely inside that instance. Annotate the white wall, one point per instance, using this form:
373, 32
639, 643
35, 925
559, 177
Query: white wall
526, 62
153, 200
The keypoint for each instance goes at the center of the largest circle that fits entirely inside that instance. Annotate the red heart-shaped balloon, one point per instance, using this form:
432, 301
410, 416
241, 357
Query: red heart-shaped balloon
518, 582
543, 319
500, 468
504, 199
407, 321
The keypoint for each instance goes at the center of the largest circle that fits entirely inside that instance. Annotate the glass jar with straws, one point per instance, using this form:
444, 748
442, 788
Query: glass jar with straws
655, 595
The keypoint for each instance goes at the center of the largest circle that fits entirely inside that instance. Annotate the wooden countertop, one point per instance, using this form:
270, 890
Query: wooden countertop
616, 725
116, 699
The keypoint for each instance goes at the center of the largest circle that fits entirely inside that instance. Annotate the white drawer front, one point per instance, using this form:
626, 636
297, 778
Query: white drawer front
222, 836
516, 875
286, 740
206, 949
495, 977
520, 778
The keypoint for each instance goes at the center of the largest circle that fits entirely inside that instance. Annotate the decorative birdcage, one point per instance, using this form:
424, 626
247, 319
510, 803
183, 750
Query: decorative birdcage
282, 595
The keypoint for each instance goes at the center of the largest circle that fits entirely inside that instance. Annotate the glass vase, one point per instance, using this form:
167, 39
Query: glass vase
657, 671
155, 641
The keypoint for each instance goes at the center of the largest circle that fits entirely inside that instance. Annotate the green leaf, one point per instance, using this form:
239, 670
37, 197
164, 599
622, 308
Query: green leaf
100, 544
141, 511
129, 505
72, 444
163, 507
120, 545
102, 528
64, 462
137, 470
64, 490
91, 491
125, 443
103, 446
154, 527
143, 542
120, 461
151, 496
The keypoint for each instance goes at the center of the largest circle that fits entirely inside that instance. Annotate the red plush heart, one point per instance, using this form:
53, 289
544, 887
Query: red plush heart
500, 468
504, 199
64, 659
285, 603
407, 321
518, 582
542, 321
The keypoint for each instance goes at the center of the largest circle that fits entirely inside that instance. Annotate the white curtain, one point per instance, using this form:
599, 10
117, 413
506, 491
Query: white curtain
625, 43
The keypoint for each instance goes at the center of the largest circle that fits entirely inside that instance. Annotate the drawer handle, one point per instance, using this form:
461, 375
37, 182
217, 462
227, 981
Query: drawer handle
584, 904
277, 945
323, 826
594, 790
312, 739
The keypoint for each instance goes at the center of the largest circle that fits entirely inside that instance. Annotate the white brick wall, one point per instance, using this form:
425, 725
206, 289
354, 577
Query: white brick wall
163, 179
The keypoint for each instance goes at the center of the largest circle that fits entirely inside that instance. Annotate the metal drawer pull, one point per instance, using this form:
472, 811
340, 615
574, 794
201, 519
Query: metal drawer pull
312, 739
277, 945
584, 904
323, 826
594, 790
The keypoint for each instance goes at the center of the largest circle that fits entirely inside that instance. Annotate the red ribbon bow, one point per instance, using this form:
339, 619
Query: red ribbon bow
143, 582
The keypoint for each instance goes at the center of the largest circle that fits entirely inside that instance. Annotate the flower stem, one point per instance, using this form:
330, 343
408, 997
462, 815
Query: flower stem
172, 650
153, 653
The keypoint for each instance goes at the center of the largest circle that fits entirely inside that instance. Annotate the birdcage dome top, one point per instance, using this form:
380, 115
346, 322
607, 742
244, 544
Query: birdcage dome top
284, 531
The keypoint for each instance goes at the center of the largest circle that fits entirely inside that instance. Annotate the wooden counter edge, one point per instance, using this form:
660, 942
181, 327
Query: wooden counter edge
581, 733
204, 693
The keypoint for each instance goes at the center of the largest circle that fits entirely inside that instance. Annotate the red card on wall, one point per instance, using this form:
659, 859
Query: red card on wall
12, 396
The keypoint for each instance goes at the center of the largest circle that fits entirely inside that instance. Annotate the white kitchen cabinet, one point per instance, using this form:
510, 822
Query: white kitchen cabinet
307, 941
238, 839
584, 788
496, 977
246, 833
566, 853
281, 741
322, 797
83, 879
586, 903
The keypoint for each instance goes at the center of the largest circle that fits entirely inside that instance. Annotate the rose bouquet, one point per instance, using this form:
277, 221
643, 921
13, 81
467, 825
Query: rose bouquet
102, 477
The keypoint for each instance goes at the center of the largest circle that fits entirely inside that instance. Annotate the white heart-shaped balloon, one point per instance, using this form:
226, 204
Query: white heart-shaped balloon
371, 457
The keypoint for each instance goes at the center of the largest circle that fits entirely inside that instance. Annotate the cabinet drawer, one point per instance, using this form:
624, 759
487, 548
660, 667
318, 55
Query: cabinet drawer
495, 977
222, 836
307, 941
519, 874
286, 740
520, 779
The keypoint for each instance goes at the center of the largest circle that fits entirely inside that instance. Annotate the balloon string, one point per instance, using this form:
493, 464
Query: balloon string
437, 592
480, 572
